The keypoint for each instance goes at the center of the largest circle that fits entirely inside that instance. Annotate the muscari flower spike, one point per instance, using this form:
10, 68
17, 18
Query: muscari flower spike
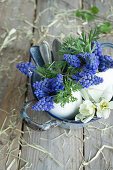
44, 104
26, 68
106, 62
90, 61
87, 79
98, 49
48, 86
72, 60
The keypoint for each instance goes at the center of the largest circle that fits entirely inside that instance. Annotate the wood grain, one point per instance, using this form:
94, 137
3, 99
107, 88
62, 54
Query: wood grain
67, 149
13, 84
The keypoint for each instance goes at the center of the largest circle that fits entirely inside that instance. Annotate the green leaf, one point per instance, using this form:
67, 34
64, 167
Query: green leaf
85, 15
66, 95
105, 28
94, 10
78, 14
88, 16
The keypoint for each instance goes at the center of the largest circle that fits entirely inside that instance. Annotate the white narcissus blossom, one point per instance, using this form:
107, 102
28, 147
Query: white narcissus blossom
87, 111
103, 108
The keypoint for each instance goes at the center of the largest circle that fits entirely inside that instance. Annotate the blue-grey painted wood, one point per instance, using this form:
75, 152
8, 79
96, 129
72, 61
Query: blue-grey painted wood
36, 56
107, 45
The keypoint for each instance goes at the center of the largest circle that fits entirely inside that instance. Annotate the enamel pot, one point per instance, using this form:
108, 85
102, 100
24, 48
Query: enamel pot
42, 55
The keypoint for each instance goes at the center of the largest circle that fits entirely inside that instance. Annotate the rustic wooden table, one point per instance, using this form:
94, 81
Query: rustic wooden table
57, 148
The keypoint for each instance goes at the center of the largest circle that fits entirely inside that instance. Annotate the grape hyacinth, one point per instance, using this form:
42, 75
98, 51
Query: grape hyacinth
72, 60
87, 79
56, 83
42, 88
90, 61
48, 86
26, 68
98, 50
106, 62
44, 104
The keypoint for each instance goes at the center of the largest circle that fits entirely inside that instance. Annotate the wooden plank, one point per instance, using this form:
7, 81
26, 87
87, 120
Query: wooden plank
67, 149
95, 138
13, 84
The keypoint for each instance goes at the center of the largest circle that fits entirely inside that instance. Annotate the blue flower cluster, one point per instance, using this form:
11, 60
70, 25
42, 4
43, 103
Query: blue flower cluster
72, 60
43, 91
44, 104
42, 88
26, 68
87, 79
98, 49
48, 86
106, 62
90, 61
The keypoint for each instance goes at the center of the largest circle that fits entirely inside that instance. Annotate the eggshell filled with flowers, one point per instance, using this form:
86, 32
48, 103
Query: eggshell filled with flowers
69, 110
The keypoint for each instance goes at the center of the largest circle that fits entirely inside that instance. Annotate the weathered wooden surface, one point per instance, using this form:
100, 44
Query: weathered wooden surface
12, 83
62, 149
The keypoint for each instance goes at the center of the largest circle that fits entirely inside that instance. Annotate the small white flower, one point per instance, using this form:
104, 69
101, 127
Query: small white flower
103, 108
87, 111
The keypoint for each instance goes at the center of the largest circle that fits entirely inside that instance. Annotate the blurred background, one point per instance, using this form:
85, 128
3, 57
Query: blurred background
26, 23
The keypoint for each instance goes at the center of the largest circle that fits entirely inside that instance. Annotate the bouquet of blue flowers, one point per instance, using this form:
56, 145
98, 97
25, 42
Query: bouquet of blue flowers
75, 78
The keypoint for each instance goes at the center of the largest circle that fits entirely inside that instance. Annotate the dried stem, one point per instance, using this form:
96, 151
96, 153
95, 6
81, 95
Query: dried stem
8, 39
40, 148
84, 163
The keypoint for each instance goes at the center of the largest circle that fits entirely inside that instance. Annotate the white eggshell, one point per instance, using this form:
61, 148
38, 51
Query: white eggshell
70, 109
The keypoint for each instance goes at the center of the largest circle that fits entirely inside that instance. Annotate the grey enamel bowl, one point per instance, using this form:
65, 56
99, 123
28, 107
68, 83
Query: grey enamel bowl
38, 54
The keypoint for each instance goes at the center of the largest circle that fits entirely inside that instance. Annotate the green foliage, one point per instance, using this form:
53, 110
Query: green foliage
105, 27
79, 45
90, 14
87, 14
66, 95
84, 15
71, 45
52, 70
93, 35
46, 72
94, 10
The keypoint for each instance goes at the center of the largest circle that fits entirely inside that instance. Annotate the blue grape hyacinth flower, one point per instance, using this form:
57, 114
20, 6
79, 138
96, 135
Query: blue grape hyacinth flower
90, 61
48, 86
73, 60
56, 83
42, 88
26, 68
106, 62
87, 79
98, 49
44, 104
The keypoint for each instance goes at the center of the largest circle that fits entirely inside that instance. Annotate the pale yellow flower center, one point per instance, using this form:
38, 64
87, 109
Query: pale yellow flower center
104, 105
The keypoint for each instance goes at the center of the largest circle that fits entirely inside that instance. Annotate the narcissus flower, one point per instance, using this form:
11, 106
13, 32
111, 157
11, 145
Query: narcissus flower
87, 111
103, 108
